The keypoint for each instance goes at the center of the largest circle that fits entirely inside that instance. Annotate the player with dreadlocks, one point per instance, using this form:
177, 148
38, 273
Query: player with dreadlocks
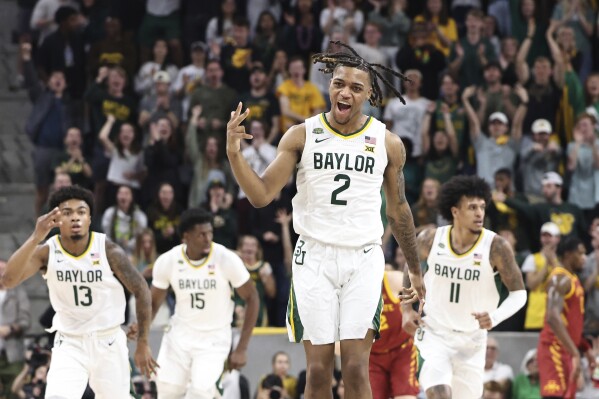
343, 158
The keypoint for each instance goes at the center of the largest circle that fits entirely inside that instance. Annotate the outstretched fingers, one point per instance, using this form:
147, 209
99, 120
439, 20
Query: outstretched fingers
237, 117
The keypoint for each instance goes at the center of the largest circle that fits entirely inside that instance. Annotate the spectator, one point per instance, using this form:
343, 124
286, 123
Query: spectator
144, 81
592, 95
72, 160
236, 56
191, 76
298, 98
219, 28
493, 96
278, 71
583, 163
544, 86
160, 103
115, 49
493, 390
536, 269
490, 33
64, 50
15, 319
507, 60
494, 370
162, 21
256, 9
498, 150
216, 99
92, 18
31, 382
262, 103
302, 35
542, 154
471, 53
46, 125
371, 49
271, 387
259, 155
526, 384
42, 17
267, 39
224, 218
163, 219
341, 13
145, 253
590, 280
280, 368
390, 16
250, 251
442, 29
426, 209
162, 159
208, 163
124, 221
406, 120
126, 159
568, 217
425, 58
529, 25
441, 151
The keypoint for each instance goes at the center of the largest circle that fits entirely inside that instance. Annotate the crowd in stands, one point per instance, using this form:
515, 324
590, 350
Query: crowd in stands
131, 100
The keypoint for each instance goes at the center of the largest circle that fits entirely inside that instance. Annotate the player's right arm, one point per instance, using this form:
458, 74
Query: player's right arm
261, 190
32, 256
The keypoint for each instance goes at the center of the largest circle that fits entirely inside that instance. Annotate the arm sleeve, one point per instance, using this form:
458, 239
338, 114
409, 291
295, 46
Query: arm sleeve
161, 272
514, 301
234, 269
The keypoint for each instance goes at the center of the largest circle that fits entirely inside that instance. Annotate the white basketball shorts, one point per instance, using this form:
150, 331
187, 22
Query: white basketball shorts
452, 358
335, 292
100, 357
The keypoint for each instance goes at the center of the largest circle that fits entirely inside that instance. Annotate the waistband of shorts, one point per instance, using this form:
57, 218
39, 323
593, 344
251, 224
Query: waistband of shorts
94, 334
340, 246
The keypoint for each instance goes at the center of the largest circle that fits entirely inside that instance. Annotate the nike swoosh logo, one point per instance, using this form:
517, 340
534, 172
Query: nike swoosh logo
321, 140
440, 254
59, 260
366, 251
182, 270
111, 342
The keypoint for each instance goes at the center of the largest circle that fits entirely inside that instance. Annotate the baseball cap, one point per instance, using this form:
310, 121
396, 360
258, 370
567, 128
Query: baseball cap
199, 45
499, 116
215, 183
162, 77
552, 178
550, 228
542, 126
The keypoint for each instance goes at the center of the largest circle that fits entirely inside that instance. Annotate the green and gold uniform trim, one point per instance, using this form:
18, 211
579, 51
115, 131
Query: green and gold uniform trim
420, 363
478, 241
208, 257
376, 320
293, 317
337, 133
89, 246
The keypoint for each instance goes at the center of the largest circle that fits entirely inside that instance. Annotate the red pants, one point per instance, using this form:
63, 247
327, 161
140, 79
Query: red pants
555, 368
394, 373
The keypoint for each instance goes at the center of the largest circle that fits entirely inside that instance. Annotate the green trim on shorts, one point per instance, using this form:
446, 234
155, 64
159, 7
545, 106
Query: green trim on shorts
420, 361
293, 317
376, 320
218, 383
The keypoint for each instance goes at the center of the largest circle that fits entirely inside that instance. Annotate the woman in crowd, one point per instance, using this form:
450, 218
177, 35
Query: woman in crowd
144, 81
163, 218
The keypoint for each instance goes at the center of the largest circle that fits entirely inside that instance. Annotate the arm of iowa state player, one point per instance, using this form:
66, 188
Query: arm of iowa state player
502, 259
557, 288
398, 210
135, 283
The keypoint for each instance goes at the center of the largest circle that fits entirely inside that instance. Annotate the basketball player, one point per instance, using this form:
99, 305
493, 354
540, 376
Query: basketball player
342, 157
81, 269
393, 358
196, 344
465, 265
561, 337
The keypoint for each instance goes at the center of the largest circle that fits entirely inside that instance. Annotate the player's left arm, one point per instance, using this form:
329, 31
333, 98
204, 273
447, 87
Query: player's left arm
399, 213
502, 259
247, 291
135, 283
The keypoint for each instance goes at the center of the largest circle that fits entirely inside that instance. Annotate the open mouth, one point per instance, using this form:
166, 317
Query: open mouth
343, 108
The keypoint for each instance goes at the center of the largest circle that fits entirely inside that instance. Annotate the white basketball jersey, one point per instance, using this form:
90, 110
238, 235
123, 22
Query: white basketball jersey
458, 285
339, 181
84, 292
204, 291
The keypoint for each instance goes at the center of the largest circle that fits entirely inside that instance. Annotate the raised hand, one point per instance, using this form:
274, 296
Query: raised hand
46, 223
236, 132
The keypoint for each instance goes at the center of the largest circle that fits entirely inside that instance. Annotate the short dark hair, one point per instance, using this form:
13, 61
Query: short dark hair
241, 21
192, 217
462, 186
567, 244
63, 13
503, 171
72, 192
272, 380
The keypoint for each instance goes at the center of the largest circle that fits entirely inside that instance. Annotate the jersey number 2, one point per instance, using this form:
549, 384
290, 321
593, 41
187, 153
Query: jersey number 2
345, 186
85, 297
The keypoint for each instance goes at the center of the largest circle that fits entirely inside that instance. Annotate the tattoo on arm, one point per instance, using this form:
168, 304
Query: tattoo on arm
502, 258
135, 283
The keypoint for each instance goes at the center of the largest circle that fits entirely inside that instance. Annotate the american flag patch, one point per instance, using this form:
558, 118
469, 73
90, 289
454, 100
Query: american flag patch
369, 140
95, 255
478, 257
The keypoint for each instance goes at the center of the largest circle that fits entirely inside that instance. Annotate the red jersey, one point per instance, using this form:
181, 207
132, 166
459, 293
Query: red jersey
392, 335
572, 313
